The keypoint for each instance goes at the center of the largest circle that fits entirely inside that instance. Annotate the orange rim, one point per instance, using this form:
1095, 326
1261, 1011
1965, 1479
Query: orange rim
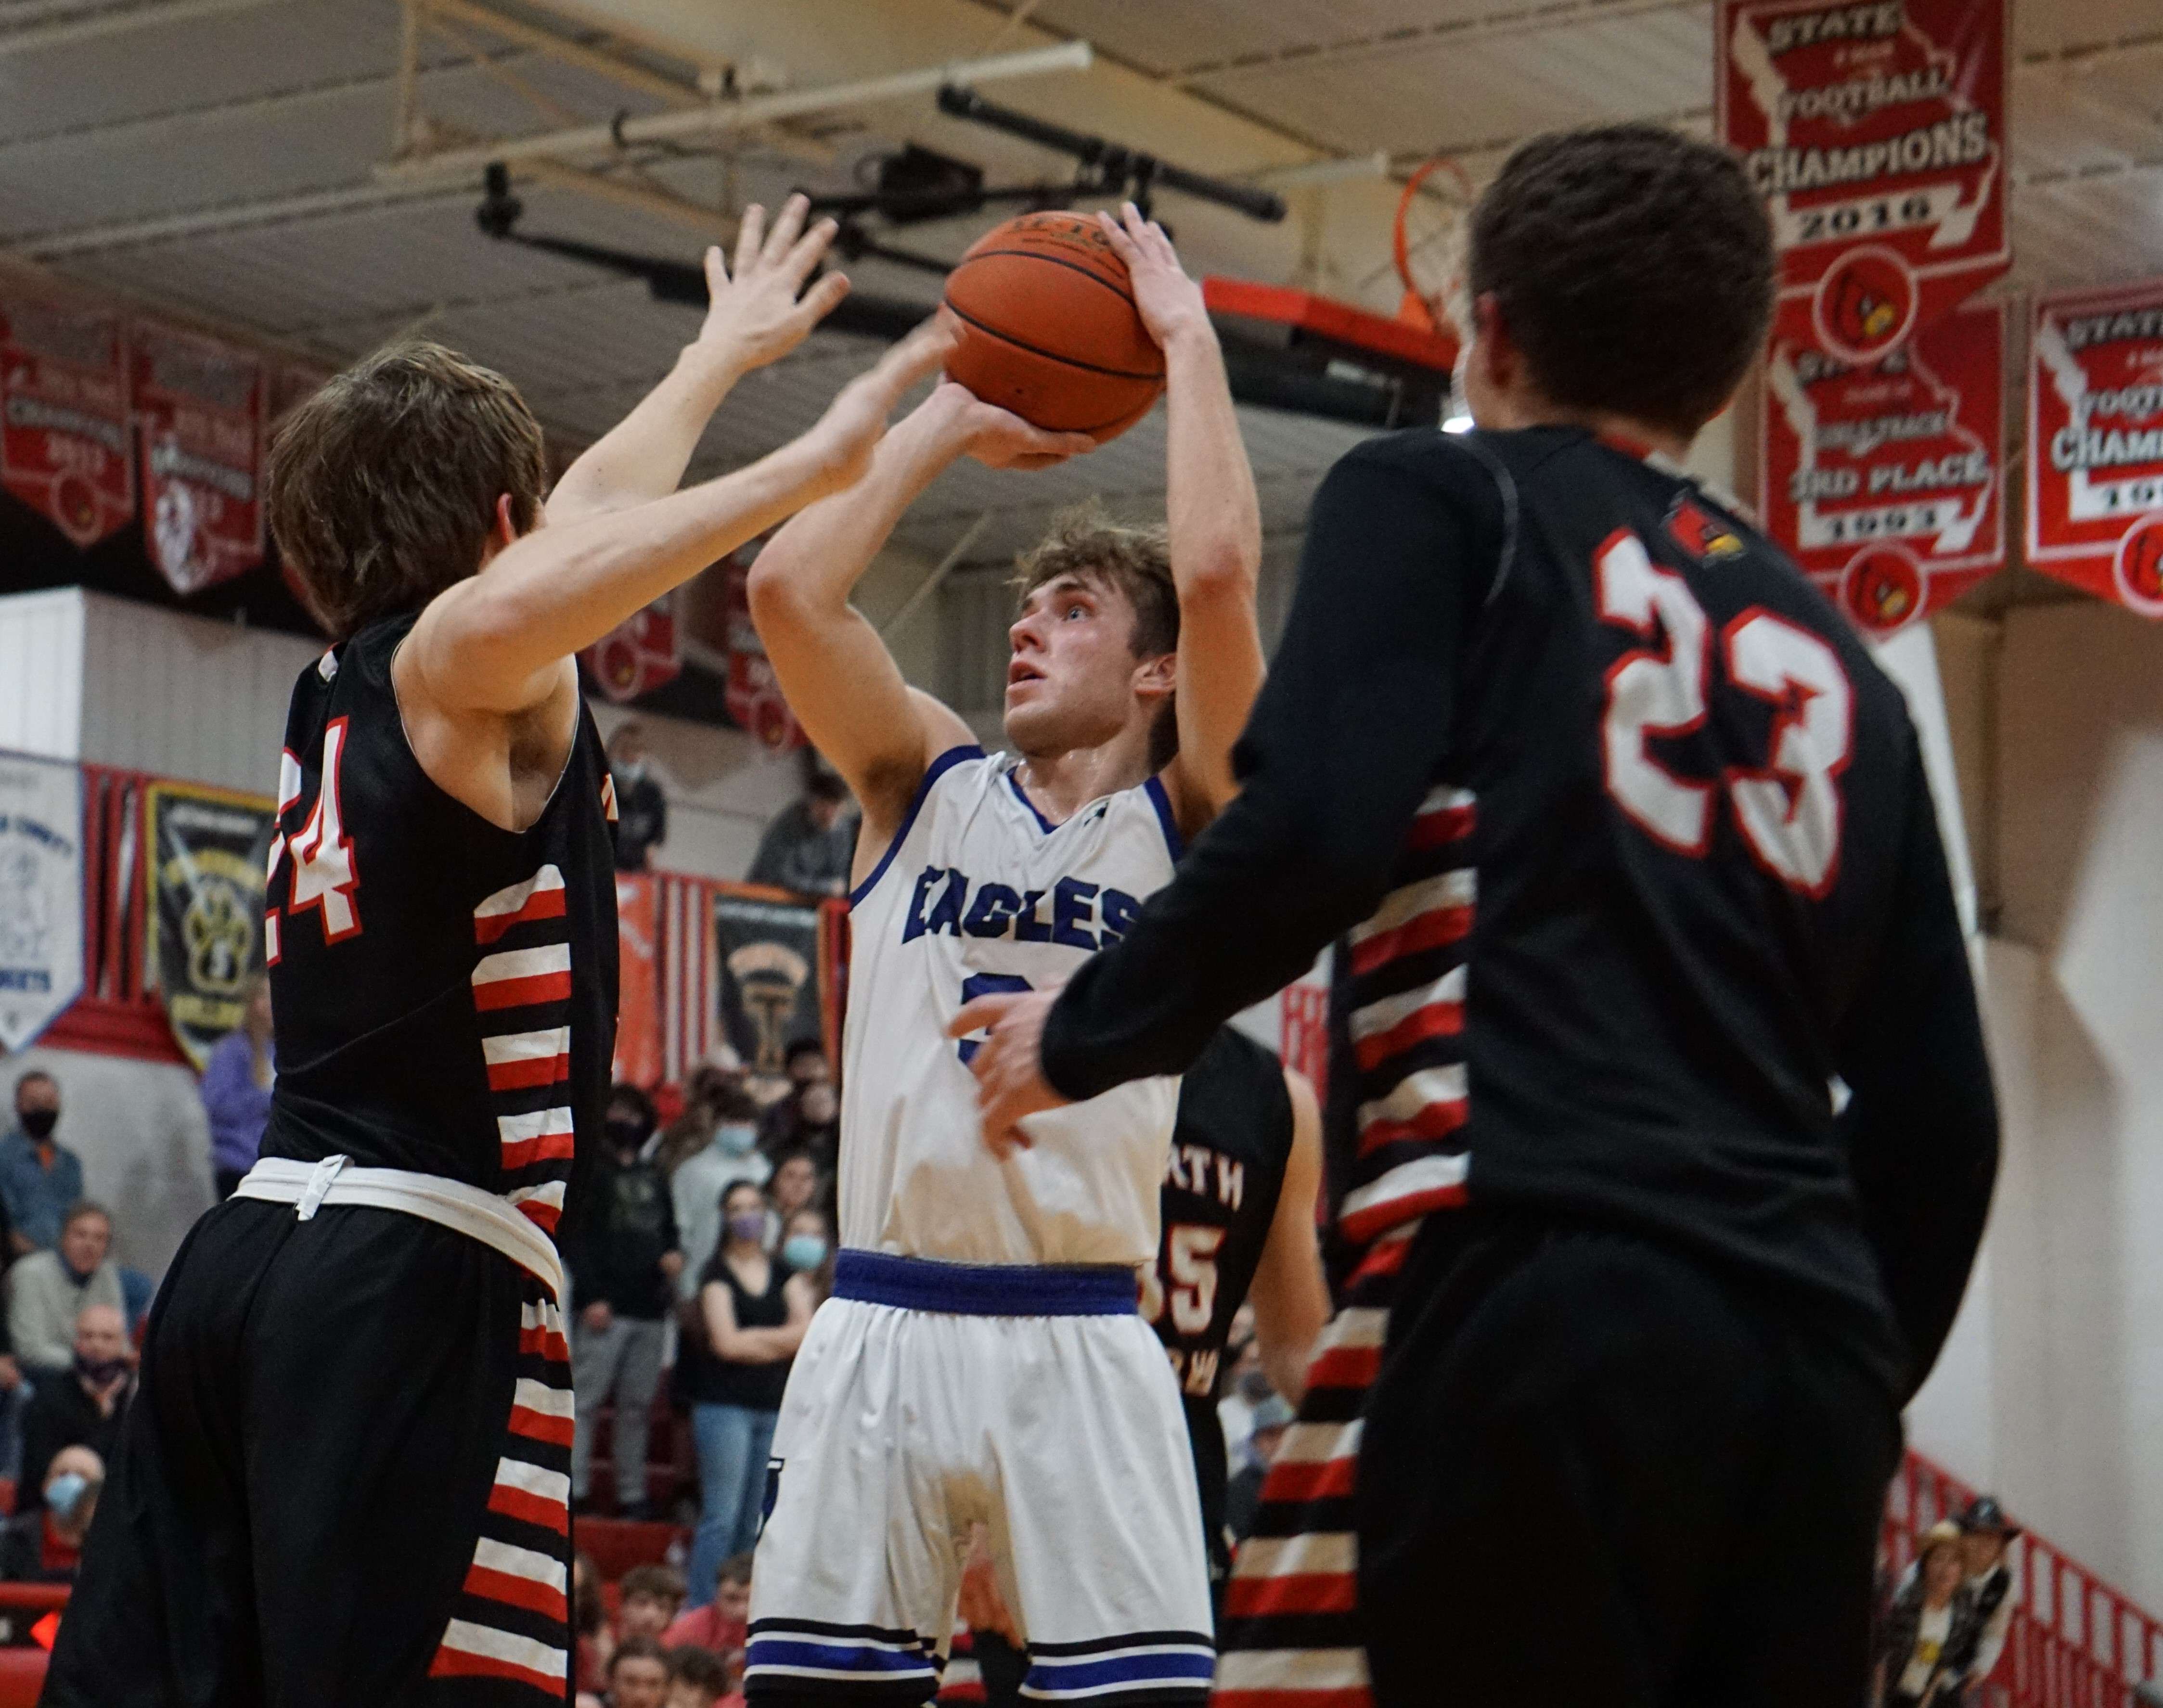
1400, 243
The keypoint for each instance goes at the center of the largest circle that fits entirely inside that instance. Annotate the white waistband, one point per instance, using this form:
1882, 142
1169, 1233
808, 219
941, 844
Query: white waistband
449, 1203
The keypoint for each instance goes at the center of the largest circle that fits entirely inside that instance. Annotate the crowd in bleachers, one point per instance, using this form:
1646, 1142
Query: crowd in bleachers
67, 1341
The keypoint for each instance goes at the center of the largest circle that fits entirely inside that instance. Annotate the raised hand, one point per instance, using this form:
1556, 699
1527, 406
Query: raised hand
845, 436
755, 316
997, 438
1169, 302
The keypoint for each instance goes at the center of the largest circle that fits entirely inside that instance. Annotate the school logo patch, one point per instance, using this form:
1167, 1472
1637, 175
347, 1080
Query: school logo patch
1706, 537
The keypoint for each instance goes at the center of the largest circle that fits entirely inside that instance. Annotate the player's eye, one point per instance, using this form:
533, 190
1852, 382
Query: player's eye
1077, 611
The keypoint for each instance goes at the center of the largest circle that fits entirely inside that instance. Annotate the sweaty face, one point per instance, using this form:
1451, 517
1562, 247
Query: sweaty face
1072, 677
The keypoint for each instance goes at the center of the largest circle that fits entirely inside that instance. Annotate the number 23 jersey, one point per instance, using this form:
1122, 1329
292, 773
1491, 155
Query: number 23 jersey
444, 989
979, 894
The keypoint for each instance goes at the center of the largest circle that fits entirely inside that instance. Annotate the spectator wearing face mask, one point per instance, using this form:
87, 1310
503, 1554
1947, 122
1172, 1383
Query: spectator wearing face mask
624, 1259
642, 810
730, 1156
706, 1088
39, 1177
754, 1313
807, 1248
47, 1291
84, 1405
42, 1544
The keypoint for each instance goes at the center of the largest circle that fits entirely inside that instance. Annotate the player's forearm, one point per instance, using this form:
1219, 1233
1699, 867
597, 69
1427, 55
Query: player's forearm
644, 455
1214, 518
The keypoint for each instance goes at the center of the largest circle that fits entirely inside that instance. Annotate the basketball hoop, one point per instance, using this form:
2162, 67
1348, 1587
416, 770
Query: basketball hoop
1428, 241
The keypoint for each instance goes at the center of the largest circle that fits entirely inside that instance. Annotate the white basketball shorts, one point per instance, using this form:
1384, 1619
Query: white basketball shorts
928, 1397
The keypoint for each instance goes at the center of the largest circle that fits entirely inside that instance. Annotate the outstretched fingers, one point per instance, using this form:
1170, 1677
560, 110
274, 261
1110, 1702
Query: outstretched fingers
751, 237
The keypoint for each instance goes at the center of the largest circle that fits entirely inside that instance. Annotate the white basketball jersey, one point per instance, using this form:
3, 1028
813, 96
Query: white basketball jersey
978, 894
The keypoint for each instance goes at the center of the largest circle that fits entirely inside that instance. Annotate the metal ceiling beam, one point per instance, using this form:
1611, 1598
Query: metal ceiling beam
613, 67
275, 210
60, 32
722, 116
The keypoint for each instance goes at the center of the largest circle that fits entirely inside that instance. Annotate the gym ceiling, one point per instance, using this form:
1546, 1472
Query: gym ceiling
270, 166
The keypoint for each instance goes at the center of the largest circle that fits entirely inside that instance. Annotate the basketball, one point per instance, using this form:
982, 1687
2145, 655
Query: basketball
1049, 328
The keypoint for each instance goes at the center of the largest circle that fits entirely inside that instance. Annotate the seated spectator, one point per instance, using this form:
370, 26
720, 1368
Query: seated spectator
796, 1185
701, 1179
754, 1313
804, 1062
722, 1624
1928, 1625
83, 1405
40, 1178
648, 1599
42, 1545
638, 1673
1243, 1495
48, 1290
1988, 1587
595, 1643
698, 1677
642, 810
809, 845
807, 1248
621, 1249
236, 1091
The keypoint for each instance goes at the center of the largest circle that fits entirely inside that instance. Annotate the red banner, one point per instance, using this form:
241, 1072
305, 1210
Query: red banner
200, 406
639, 654
1885, 481
638, 1008
2095, 442
1876, 132
754, 699
64, 417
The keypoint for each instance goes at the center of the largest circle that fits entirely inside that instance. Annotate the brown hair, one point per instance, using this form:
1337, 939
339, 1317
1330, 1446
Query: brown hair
652, 1581
1086, 543
1634, 267
382, 487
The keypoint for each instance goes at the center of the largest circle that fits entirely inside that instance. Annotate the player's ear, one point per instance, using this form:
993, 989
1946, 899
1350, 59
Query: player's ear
1157, 676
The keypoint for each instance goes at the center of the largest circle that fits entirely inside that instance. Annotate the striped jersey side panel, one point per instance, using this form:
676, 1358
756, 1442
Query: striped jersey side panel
521, 995
511, 1621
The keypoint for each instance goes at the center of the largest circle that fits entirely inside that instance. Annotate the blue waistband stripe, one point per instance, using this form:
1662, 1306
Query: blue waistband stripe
985, 1289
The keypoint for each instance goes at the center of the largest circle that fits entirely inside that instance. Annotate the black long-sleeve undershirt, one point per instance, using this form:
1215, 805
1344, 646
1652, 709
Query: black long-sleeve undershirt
1401, 548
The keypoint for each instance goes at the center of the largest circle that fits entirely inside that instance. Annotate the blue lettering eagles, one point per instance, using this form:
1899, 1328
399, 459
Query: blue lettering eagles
1075, 913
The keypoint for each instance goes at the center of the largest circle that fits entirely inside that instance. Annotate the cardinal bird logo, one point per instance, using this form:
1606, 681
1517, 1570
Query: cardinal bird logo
1865, 304
1706, 537
1884, 589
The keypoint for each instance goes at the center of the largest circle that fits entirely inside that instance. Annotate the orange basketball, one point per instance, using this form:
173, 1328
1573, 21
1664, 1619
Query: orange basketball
1049, 328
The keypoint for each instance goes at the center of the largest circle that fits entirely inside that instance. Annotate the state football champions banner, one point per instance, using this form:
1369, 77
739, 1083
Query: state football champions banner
209, 851
199, 406
767, 954
63, 445
1885, 481
41, 895
1876, 132
2095, 442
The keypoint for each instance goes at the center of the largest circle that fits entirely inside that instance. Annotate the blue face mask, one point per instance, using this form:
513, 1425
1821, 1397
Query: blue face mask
736, 1138
63, 1491
804, 1251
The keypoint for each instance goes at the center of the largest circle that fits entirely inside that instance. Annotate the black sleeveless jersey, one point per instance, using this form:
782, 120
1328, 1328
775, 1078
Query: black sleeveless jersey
1633, 843
444, 990
1229, 1147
